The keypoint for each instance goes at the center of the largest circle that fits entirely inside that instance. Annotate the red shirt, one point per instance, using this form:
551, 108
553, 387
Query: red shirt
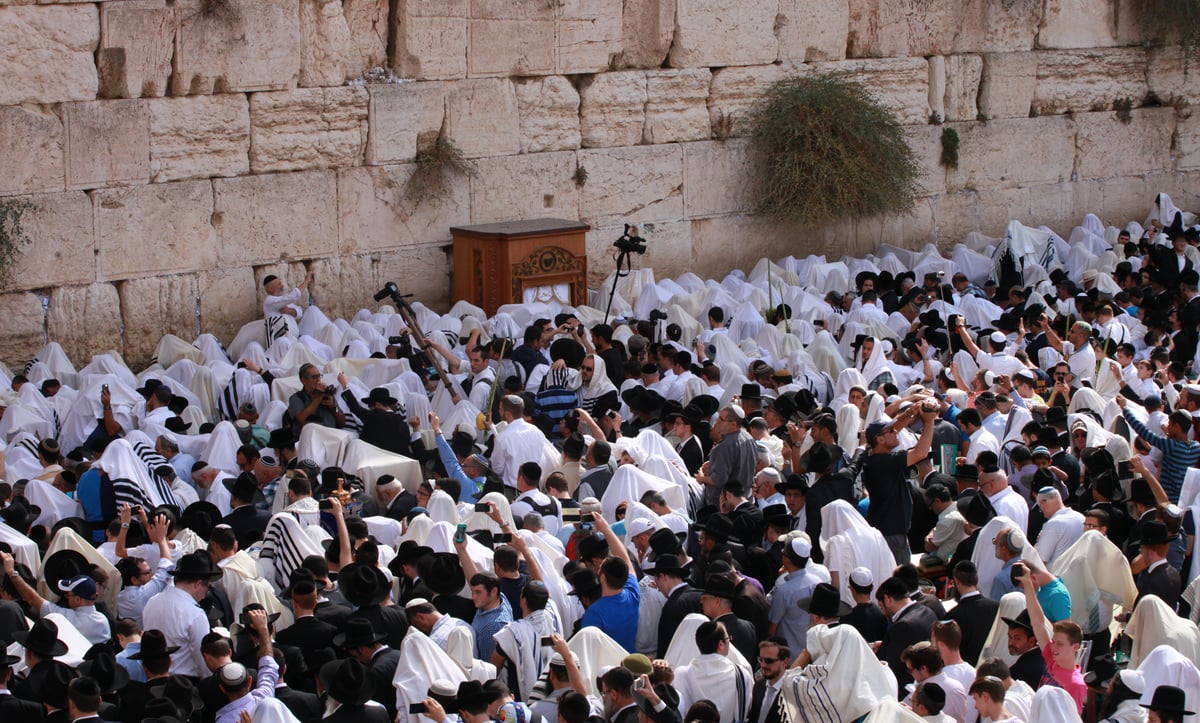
1069, 680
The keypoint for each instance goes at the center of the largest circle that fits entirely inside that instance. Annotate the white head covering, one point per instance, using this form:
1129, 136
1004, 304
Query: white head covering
1164, 665
849, 542
996, 645
844, 682
1052, 704
272, 710
422, 661
1154, 623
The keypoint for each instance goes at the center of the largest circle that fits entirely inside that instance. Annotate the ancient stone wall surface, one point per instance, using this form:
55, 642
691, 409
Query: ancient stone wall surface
176, 152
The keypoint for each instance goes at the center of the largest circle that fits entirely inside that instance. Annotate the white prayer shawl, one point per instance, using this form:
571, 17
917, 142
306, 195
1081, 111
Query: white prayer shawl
87, 411
1154, 623
481, 520
843, 682
649, 614
131, 479
889, 710
1164, 665
551, 561
24, 550
984, 555
21, 458
683, 649
849, 542
417, 530
67, 539
221, 449
54, 503
22, 419
59, 364
849, 423
719, 679
1052, 704
521, 642
595, 651
1163, 211
285, 545
244, 584
441, 508
272, 710
996, 644
1189, 499
421, 663
629, 484
385, 529
1095, 573
77, 645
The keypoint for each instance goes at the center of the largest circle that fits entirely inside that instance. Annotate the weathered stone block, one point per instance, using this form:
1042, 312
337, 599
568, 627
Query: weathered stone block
1078, 24
710, 33
811, 30
431, 46
901, 84
240, 46
137, 40
99, 305
1171, 76
612, 109
326, 50
375, 210
276, 216
668, 249
534, 185
48, 54
61, 248
1125, 198
399, 116
154, 229
997, 154
926, 142
24, 330
482, 117
647, 27
609, 198
677, 105
227, 301
1007, 86
716, 177
199, 136
963, 76
368, 24
108, 143
549, 114
587, 34
308, 128
1089, 80
152, 307
1106, 147
511, 47
31, 159
423, 271
734, 92
890, 28
1188, 143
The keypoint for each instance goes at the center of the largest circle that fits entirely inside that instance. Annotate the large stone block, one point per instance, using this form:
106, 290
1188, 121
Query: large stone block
587, 34
549, 114
926, 142
1171, 76
108, 143
277, 216
901, 84
155, 229
482, 117
368, 23
716, 178
961, 91
1007, 86
647, 27
1089, 80
612, 109
227, 301
1106, 147
423, 271
400, 116
308, 128
357, 281
31, 158
534, 185
152, 307
677, 105
1188, 143
1125, 198
61, 248
511, 47
734, 93
609, 198
710, 33
921, 28
668, 250
997, 154
137, 40
327, 51
237, 46
429, 45
199, 136
48, 53
98, 304
1078, 24
24, 327
375, 210
810, 30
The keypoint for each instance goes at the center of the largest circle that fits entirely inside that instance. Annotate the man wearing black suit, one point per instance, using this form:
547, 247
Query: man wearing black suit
830, 485
682, 598
12, 707
1030, 665
911, 623
84, 700
974, 612
363, 644
248, 522
305, 706
773, 658
394, 501
309, 634
1159, 578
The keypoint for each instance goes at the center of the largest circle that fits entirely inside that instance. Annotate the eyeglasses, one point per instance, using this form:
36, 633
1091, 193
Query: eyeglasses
768, 661
1090, 526
312, 376
589, 369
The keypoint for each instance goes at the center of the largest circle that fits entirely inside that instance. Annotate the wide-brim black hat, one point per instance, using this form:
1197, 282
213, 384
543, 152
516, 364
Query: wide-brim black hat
1155, 533
104, 669
751, 390
410, 552
717, 527
179, 691
178, 425
569, 350
64, 565
669, 563
719, 586
363, 584
200, 517
281, 439
1056, 415
1139, 490
42, 639
584, 583
641, 399
356, 633
1169, 699
665, 541
446, 575
793, 482
825, 601
196, 566
154, 645
471, 693
706, 403
55, 684
776, 513
241, 487
379, 395
1020, 621
346, 681
976, 509
20, 514
785, 405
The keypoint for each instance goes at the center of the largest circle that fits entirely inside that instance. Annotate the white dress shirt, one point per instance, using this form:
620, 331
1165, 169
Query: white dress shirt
183, 623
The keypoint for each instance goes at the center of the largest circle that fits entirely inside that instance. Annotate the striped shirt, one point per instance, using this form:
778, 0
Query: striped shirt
1177, 457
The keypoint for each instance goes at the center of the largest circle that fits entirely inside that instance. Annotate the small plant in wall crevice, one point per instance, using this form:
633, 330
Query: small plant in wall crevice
437, 165
950, 142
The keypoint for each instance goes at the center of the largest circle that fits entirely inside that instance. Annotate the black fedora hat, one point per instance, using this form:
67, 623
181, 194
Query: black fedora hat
446, 575
1155, 533
148, 387
180, 692
720, 586
64, 565
154, 645
410, 553
379, 395
669, 564
177, 425
356, 633
825, 601
346, 681
1169, 699
300, 581
976, 509
751, 390
666, 541
641, 399
1056, 415
471, 693
281, 438
1020, 621
200, 517
793, 482
776, 513
717, 527
1139, 491
104, 669
42, 639
363, 584
706, 403
244, 616
241, 487
569, 350
196, 566
584, 582
55, 684
967, 472
20, 514
785, 405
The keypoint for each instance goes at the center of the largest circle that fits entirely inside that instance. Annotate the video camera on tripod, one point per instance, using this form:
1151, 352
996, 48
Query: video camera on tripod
630, 242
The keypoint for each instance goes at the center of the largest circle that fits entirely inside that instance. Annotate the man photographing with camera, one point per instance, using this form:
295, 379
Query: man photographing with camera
314, 403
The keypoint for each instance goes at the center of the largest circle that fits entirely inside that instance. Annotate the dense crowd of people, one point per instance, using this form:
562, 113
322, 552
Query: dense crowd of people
916, 486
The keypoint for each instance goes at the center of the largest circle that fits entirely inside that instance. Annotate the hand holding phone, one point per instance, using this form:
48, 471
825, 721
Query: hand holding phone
460, 535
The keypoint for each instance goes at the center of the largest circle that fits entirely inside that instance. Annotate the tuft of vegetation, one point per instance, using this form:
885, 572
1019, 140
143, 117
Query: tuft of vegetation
436, 169
1124, 110
722, 127
580, 176
949, 157
935, 119
824, 149
12, 236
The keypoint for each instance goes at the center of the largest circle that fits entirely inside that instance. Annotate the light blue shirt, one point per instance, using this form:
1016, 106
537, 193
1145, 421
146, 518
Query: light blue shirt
785, 613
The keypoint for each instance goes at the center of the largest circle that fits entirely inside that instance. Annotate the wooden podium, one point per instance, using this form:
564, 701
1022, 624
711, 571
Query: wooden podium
513, 262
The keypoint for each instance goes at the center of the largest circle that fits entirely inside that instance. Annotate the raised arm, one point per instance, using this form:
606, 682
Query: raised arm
615, 546
27, 593
1037, 618
928, 411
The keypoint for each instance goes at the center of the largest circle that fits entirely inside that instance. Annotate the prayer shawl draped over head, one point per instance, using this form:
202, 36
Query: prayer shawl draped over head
849, 542
1154, 623
725, 680
421, 663
1095, 573
996, 645
1052, 704
521, 642
133, 483
843, 682
285, 545
1165, 665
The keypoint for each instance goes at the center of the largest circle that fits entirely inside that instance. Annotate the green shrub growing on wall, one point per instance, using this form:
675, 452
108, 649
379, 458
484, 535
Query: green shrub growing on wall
824, 149
12, 236
949, 148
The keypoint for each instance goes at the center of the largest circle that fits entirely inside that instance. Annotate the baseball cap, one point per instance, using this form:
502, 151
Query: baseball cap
874, 429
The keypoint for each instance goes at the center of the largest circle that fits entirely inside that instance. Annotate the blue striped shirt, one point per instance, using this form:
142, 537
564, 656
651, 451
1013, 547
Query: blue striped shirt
1177, 457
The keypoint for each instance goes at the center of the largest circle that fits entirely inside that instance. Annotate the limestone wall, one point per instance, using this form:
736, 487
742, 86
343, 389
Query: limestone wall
178, 151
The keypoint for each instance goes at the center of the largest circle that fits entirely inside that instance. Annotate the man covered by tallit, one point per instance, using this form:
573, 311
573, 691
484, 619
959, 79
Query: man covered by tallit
843, 682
